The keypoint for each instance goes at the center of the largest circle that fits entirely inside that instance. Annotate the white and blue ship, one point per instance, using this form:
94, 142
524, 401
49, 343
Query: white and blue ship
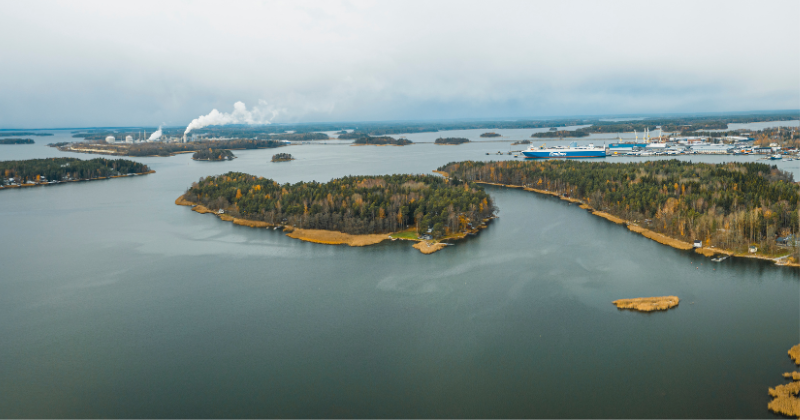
562, 152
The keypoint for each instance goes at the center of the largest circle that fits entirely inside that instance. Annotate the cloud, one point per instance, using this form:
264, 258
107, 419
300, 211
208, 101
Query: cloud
91, 63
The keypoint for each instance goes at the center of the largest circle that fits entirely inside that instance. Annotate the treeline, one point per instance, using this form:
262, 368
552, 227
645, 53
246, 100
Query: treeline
16, 141
353, 204
63, 169
300, 136
213, 154
730, 205
22, 133
562, 133
451, 140
382, 140
168, 149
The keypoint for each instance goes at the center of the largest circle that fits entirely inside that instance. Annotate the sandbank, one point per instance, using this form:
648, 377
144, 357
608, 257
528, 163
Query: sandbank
429, 248
648, 304
331, 237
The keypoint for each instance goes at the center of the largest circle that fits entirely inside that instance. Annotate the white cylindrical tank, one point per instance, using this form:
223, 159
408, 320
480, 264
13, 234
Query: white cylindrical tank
110, 139
128, 139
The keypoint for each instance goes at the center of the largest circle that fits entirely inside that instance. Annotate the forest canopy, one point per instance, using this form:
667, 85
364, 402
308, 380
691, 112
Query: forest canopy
731, 205
451, 140
353, 204
213, 155
381, 141
63, 169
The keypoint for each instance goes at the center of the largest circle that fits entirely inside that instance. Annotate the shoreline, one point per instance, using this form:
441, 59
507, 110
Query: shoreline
647, 233
329, 237
46, 184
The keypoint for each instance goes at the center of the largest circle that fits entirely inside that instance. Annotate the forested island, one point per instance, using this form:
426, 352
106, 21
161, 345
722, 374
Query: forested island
24, 173
454, 141
22, 133
489, 135
165, 149
282, 157
561, 133
521, 142
352, 206
381, 141
16, 141
727, 207
213, 155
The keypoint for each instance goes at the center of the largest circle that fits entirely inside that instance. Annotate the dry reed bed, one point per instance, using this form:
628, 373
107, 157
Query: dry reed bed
785, 397
648, 304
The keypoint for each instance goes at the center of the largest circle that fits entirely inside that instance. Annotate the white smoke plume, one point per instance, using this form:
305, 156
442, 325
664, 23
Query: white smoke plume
156, 135
240, 115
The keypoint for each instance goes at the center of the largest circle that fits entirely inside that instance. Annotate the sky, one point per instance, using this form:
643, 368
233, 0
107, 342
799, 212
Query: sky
101, 63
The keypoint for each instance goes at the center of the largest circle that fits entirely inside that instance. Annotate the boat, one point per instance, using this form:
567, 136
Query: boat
776, 157
720, 258
562, 152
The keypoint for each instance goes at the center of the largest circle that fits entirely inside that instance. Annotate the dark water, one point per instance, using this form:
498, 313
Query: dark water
114, 302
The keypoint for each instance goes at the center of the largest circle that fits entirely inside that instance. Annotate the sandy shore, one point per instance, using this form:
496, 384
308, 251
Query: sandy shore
428, 248
648, 304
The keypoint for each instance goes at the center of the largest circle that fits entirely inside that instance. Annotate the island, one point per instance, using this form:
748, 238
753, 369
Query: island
521, 142
16, 141
354, 210
561, 133
381, 141
164, 148
38, 172
213, 155
492, 134
741, 209
22, 133
648, 304
451, 141
282, 157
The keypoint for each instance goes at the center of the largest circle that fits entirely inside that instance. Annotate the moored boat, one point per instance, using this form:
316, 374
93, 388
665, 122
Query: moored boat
572, 152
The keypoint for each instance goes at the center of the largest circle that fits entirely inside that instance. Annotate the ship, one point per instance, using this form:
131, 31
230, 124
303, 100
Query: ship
572, 152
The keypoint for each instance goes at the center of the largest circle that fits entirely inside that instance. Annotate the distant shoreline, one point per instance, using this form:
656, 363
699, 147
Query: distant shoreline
45, 184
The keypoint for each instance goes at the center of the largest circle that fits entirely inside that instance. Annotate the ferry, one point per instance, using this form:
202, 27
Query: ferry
572, 152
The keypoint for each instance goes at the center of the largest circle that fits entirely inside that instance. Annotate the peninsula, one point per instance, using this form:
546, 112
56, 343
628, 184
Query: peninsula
741, 209
213, 155
354, 210
163, 148
37, 172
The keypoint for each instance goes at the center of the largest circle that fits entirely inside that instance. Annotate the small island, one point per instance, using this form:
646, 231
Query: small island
648, 304
492, 134
282, 157
37, 172
451, 141
23, 133
354, 210
16, 141
381, 141
213, 155
521, 142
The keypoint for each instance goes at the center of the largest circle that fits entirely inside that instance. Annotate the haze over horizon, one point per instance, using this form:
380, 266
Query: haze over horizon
90, 63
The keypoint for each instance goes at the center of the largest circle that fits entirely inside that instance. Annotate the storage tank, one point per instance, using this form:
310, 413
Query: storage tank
128, 139
110, 139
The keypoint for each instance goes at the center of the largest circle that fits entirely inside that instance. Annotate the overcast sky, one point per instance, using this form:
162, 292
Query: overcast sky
102, 63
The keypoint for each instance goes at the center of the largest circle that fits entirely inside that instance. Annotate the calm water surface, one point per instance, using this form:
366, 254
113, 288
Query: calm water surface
115, 302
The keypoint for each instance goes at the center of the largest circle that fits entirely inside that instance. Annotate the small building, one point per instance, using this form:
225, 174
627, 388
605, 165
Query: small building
220, 211
753, 249
697, 244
